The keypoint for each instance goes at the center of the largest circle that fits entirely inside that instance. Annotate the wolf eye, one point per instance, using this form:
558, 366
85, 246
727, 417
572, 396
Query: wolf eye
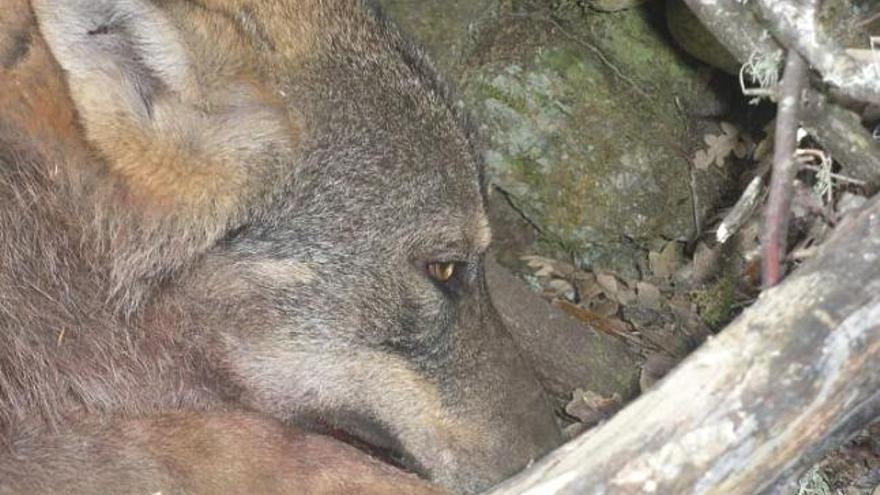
441, 272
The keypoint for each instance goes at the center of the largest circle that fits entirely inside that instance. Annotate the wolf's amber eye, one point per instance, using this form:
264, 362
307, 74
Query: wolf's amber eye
441, 272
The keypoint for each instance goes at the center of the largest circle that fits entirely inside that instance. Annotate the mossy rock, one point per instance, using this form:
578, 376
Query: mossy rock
696, 40
442, 28
585, 123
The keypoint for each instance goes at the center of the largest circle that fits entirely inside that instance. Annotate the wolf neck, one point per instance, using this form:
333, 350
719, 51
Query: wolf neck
65, 351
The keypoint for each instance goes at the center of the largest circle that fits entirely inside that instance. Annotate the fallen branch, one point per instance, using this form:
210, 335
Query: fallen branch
794, 374
741, 211
838, 129
841, 133
796, 25
778, 208
735, 27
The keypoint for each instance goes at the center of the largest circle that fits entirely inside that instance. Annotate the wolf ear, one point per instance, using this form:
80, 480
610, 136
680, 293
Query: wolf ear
192, 162
119, 56
135, 88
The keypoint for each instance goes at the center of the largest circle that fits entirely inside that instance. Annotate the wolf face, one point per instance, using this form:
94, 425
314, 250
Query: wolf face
287, 195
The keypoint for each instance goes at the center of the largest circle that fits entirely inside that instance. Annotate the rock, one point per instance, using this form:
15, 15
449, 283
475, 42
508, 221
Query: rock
512, 236
583, 122
444, 28
614, 5
565, 352
696, 40
667, 261
649, 295
656, 366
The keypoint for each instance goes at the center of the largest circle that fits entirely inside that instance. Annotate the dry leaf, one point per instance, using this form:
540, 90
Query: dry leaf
649, 295
720, 146
606, 309
588, 287
626, 297
665, 262
609, 284
562, 288
590, 408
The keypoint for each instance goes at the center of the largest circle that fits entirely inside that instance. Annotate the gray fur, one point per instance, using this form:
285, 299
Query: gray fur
309, 303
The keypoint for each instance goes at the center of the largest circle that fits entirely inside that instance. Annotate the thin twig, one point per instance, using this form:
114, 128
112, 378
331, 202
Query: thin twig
837, 177
868, 20
741, 211
785, 143
838, 129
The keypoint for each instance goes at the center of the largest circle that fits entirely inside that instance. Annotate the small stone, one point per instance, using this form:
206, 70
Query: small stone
609, 284
590, 407
649, 295
563, 288
665, 262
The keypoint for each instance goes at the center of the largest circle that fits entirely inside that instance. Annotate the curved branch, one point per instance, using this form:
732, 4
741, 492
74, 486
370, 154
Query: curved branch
838, 129
795, 24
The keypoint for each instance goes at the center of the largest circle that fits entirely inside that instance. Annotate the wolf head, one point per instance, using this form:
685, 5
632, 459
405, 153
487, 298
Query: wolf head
296, 169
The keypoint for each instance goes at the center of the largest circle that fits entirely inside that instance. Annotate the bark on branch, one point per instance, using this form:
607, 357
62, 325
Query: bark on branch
735, 27
841, 133
793, 374
778, 207
838, 129
796, 25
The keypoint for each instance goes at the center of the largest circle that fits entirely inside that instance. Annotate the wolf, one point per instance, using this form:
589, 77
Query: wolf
226, 225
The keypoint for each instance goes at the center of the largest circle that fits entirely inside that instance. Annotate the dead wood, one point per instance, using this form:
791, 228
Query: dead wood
795, 24
735, 26
744, 36
793, 375
841, 133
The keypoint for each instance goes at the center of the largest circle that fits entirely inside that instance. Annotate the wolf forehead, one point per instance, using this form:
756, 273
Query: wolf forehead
383, 136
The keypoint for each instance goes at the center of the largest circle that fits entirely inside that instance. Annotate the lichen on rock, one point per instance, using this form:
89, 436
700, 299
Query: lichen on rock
585, 122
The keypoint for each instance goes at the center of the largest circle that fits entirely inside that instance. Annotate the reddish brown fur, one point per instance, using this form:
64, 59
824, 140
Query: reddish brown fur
186, 453
55, 248
237, 453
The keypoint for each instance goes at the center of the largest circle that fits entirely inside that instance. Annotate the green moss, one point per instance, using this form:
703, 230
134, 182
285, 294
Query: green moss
595, 162
527, 170
715, 303
515, 102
